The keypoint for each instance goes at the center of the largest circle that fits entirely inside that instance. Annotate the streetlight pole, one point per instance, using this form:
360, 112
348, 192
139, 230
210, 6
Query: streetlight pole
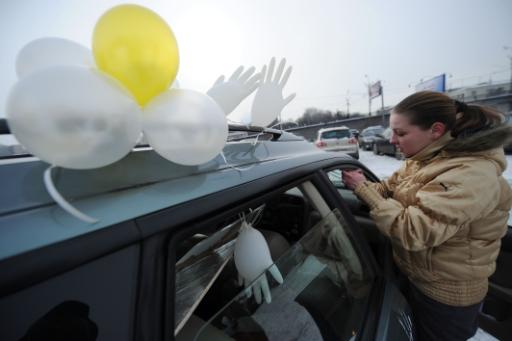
510, 58
348, 104
382, 105
369, 96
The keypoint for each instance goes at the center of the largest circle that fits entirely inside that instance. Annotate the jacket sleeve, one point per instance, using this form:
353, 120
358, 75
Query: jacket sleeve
440, 207
386, 187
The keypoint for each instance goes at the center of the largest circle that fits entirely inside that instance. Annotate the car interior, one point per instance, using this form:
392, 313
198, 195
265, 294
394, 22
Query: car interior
325, 280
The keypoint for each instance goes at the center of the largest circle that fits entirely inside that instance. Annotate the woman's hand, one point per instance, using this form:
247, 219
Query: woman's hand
352, 178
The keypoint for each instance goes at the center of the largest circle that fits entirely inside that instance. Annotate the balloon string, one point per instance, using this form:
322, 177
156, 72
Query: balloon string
256, 139
279, 123
66, 206
247, 127
231, 166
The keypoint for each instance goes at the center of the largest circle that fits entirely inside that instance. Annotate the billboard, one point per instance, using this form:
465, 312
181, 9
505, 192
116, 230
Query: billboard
437, 84
375, 90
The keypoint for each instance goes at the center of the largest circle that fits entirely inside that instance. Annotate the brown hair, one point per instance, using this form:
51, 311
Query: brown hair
424, 108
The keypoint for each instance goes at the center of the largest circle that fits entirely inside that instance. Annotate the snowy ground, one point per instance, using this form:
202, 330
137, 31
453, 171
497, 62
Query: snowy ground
383, 166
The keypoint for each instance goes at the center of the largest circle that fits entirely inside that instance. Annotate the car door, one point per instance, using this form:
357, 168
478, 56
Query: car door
496, 315
395, 317
332, 289
321, 297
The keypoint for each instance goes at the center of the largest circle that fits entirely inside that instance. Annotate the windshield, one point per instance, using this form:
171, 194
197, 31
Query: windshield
372, 132
335, 134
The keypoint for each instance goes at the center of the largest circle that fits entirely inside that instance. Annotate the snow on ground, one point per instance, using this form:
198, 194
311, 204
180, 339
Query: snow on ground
383, 166
482, 336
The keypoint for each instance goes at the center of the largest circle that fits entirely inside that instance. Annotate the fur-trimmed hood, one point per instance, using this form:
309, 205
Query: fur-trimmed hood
486, 143
482, 140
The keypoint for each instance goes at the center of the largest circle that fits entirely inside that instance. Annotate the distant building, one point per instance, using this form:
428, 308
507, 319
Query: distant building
498, 96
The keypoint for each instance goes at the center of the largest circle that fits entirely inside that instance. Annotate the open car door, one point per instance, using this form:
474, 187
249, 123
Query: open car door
496, 315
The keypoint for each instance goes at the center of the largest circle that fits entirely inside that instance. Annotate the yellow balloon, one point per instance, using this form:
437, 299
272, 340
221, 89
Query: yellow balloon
136, 46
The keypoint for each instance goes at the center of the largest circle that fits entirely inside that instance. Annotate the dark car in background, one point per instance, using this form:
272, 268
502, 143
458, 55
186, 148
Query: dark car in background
367, 136
508, 147
382, 145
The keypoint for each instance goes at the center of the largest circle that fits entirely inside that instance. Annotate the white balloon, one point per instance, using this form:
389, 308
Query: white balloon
44, 52
185, 126
73, 117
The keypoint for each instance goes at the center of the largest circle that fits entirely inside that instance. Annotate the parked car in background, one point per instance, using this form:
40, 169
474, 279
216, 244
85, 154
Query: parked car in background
367, 136
508, 147
338, 139
382, 145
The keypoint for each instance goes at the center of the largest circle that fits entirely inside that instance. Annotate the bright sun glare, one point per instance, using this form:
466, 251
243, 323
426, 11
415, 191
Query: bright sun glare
208, 44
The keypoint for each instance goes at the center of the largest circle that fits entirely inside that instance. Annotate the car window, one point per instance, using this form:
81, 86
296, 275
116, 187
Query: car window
336, 178
326, 280
372, 132
335, 134
322, 283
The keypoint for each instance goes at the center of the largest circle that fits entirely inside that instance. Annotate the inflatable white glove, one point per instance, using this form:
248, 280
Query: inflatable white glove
268, 101
228, 95
252, 258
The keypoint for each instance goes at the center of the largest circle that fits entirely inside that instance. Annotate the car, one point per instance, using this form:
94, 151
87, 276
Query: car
367, 136
382, 145
508, 147
158, 264
354, 133
338, 139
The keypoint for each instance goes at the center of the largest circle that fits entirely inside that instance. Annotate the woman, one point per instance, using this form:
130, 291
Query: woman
445, 210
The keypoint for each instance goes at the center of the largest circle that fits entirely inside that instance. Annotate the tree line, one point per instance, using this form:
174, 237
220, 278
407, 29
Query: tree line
315, 116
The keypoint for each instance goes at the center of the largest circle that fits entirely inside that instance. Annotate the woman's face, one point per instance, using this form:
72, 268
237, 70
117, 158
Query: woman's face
409, 138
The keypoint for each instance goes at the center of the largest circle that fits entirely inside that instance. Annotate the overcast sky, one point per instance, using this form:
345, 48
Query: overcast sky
331, 44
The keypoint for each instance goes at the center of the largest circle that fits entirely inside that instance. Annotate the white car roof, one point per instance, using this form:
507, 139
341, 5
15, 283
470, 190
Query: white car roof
334, 128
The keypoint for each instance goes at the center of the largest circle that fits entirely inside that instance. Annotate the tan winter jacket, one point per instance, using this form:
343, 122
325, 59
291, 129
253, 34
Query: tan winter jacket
445, 212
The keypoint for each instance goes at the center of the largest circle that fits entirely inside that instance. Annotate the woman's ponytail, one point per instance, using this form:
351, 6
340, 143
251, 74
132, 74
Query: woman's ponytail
473, 118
